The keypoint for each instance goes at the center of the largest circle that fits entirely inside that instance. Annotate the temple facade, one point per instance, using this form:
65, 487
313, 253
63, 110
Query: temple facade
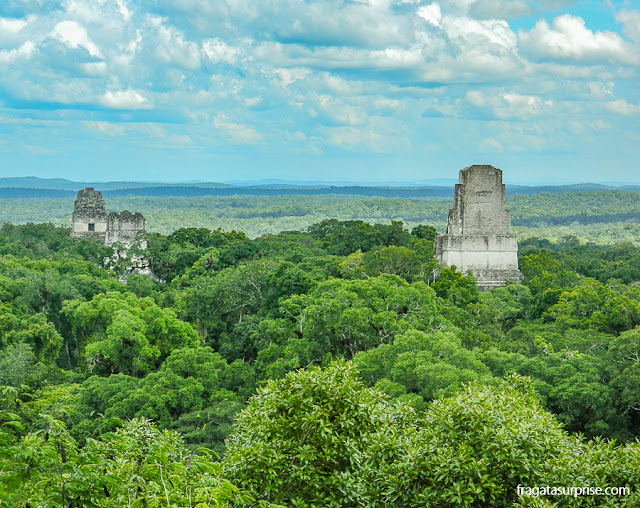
90, 220
478, 236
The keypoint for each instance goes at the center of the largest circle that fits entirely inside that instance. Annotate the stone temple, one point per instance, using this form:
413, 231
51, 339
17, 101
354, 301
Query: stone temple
478, 236
90, 220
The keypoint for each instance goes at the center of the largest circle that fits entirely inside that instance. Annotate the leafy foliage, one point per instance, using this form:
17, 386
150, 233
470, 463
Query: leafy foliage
87, 360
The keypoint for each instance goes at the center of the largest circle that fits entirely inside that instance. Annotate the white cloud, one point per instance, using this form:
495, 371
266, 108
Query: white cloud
95, 69
23, 52
338, 58
108, 128
387, 104
172, 48
630, 23
505, 105
134, 42
73, 35
238, 133
124, 9
285, 77
491, 145
251, 102
431, 14
359, 139
216, 50
85, 11
340, 86
325, 23
9, 29
599, 90
125, 99
522, 105
622, 107
488, 37
351, 74
500, 9
568, 38
335, 111
554, 4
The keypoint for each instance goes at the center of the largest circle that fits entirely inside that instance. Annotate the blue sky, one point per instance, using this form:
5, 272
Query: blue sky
358, 90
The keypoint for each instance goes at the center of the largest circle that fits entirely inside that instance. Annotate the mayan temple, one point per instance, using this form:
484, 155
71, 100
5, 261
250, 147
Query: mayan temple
478, 236
90, 220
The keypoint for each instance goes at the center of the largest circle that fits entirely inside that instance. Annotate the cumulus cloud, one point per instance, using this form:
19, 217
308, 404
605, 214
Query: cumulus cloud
568, 38
125, 99
507, 105
491, 145
284, 77
630, 23
322, 23
431, 14
124, 9
622, 107
359, 139
474, 35
73, 35
23, 52
236, 132
500, 9
340, 58
349, 74
173, 48
9, 29
216, 50
108, 128
600, 90
554, 4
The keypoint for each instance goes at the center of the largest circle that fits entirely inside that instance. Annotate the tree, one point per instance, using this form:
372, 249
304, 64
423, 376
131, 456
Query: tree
344, 237
117, 332
138, 465
546, 278
611, 308
624, 355
347, 316
430, 365
194, 391
18, 365
395, 260
473, 450
461, 290
221, 303
299, 440
424, 232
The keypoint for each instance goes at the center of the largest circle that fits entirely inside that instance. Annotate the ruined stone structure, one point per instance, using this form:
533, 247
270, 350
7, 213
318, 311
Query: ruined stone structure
123, 227
478, 236
90, 220
89, 215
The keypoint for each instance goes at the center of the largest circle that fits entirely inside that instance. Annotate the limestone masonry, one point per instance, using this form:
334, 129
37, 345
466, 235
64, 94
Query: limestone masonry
91, 220
478, 236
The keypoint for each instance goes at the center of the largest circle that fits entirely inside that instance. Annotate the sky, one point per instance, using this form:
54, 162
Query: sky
334, 90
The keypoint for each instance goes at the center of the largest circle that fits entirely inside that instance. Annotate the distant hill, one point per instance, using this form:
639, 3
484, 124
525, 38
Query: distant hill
33, 182
27, 192
33, 187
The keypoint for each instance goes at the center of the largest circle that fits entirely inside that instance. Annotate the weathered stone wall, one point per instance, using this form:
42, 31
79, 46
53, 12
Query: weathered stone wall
479, 251
123, 227
89, 216
91, 220
479, 205
478, 236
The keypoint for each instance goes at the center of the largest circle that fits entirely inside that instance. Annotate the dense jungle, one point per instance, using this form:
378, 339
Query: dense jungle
308, 351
